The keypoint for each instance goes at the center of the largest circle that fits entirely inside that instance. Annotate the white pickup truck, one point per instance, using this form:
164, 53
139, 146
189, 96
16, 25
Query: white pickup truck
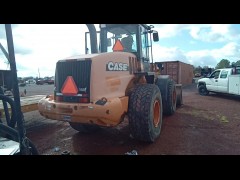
225, 80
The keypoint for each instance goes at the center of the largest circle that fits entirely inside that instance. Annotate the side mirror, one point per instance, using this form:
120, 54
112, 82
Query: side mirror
155, 36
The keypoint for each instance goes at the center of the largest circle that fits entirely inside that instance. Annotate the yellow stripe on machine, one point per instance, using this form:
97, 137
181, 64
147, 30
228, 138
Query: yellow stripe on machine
28, 104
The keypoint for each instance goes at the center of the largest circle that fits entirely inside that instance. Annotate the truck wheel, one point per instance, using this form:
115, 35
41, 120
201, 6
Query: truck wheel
84, 128
203, 90
171, 102
145, 112
169, 95
179, 99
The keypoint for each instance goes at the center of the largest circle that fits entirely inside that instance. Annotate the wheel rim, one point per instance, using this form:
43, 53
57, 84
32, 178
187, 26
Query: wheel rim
202, 91
157, 110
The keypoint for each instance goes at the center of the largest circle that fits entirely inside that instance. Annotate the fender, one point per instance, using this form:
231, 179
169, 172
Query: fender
162, 81
201, 83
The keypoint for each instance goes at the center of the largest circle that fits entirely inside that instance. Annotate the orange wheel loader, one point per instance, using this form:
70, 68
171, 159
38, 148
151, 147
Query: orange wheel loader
112, 82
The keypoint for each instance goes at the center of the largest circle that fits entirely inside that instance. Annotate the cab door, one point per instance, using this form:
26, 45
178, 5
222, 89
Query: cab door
223, 81
212, 83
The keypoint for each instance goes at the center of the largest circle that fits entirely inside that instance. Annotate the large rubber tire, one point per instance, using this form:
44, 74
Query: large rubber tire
203, 90
179, 99
145, 112
11, 119
169, 95
84, 128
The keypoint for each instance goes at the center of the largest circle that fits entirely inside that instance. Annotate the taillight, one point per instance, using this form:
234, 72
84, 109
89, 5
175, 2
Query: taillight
83, 100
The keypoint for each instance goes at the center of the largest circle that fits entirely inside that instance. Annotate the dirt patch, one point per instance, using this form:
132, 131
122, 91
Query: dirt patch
203, 125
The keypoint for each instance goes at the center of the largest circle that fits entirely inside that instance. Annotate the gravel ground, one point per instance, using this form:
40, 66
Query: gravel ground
203, 125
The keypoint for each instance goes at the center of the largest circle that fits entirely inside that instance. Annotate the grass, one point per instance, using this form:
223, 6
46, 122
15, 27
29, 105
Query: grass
224, 119
202, 113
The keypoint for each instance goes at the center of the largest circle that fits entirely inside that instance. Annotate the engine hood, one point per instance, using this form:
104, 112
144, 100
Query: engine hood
83, 56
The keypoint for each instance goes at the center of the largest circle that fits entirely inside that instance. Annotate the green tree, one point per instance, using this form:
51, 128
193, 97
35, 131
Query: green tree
197, 69
224, 63
237, 63
205, 67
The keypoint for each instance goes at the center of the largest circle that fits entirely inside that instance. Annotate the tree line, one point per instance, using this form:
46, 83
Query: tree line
224, 63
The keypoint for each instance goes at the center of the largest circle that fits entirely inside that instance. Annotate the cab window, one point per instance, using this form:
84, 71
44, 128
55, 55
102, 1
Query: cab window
224, 74
127, 36
237, 71
215, 74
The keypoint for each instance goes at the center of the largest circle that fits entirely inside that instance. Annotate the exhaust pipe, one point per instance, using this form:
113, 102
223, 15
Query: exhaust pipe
93, 37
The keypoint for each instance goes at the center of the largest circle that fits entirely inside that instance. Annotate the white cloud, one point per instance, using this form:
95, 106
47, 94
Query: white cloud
161, 53
40, 46
202, 32
2, 31
3, 62
214, 32
230, 51
3, 65
168, 30
48, 44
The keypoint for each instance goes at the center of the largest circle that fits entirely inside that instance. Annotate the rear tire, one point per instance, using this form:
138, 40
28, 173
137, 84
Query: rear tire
145, 112
169, 95
203, 90
84, 128
179, 99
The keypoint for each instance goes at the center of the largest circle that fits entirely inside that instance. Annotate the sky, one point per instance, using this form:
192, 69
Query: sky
39, 46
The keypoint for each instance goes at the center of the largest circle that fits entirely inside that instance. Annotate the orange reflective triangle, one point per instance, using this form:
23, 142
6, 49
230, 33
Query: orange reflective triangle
118, 46
69, 87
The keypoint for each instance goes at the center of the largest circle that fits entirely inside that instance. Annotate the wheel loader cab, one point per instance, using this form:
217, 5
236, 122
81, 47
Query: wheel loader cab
137, 37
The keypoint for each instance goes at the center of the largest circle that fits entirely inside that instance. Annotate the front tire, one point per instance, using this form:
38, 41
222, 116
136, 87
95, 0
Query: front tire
203, 90
145, 112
